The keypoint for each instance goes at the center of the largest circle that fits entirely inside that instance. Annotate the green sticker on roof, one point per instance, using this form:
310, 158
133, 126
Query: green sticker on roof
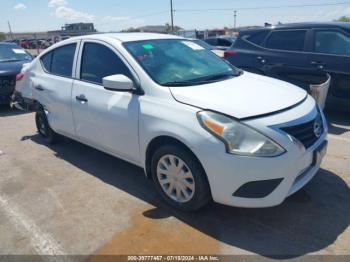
148, 46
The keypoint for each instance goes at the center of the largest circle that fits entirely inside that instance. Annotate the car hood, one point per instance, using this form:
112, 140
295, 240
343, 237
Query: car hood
11, 68
248, 95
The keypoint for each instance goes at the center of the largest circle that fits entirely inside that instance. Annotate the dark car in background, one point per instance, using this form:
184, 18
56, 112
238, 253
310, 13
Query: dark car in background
301, 54
221, 42
12, 58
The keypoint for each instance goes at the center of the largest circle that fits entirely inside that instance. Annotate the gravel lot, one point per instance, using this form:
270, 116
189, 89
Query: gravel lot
72, 199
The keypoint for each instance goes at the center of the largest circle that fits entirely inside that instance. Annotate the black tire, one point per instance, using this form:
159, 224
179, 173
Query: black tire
44, 129
202, 194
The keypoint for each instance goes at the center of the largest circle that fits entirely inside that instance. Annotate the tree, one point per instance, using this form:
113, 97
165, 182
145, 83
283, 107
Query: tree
2, 36
344, 19
168, 28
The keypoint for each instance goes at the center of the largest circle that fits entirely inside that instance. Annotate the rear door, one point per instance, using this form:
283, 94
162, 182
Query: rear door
331, 53
284, 56
52, 86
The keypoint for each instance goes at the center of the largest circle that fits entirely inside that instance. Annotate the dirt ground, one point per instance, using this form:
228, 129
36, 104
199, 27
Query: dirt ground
72, 199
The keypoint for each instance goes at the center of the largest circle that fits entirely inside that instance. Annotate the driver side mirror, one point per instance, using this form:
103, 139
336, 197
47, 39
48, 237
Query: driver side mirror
118, 83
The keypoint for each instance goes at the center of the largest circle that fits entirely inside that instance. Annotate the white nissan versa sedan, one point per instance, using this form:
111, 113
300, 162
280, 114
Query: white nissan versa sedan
200, 128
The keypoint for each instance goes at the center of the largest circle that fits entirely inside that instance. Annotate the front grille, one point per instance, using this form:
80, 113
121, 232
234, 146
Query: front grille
307, 133
7, 84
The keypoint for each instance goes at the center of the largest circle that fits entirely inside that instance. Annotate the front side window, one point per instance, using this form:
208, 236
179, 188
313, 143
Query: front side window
178, 62
258, 38
287, 40
98, 61
60, 60
332, 42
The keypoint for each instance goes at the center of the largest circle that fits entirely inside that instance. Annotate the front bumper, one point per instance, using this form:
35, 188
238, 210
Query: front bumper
283, 175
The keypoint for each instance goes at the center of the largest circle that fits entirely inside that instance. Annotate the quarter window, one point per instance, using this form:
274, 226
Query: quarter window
332, 42
46, 61
287, 40
99, 61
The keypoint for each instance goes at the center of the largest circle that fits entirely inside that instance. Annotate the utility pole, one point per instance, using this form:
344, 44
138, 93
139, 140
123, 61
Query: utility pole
8, 22
235, 17
172, 16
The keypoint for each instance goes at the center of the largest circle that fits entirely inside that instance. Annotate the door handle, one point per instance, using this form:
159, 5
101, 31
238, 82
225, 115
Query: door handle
319, 65
261, 59
81, 98
39, 88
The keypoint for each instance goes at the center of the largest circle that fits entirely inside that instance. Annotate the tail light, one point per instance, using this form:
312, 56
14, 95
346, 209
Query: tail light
19, 76
229, 53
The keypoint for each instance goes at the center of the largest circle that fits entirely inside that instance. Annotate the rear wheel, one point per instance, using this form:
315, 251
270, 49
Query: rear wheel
44, 128
179, 178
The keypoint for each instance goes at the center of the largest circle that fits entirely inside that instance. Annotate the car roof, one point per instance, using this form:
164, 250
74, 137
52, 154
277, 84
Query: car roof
308, 25
128, 37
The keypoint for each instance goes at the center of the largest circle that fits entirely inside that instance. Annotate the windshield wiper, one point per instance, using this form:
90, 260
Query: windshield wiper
180, 83
203, 80
220, 76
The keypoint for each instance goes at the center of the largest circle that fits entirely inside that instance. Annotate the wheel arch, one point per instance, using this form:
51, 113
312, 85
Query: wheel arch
164, 140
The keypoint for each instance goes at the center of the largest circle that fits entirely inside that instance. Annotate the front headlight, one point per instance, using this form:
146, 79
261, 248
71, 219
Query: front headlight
239, 138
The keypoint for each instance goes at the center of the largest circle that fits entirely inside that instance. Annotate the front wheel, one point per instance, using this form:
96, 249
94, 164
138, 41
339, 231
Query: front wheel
179, 178
44, 128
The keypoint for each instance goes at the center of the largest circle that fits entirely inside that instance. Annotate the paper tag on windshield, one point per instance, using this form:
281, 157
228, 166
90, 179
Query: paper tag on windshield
192, 45
18, 51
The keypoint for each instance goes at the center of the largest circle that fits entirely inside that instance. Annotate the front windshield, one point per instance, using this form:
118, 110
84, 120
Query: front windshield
179, 62
9, 53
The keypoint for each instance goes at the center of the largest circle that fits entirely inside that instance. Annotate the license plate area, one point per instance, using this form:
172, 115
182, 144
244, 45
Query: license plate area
319, 153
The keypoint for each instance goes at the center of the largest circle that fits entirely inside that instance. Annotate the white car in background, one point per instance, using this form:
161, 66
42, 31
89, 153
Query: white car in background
199, 127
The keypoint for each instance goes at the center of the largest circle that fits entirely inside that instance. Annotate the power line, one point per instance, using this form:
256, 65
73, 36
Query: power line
262, 7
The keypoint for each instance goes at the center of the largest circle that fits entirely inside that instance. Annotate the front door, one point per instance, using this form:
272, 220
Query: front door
103, 118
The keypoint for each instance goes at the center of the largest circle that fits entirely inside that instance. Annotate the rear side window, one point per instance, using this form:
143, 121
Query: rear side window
211, 41
332, 42
60, 60
224, 42
287, 40
257, 38
99, 61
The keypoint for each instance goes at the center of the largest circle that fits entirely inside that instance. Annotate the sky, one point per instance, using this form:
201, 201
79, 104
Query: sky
115, 15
